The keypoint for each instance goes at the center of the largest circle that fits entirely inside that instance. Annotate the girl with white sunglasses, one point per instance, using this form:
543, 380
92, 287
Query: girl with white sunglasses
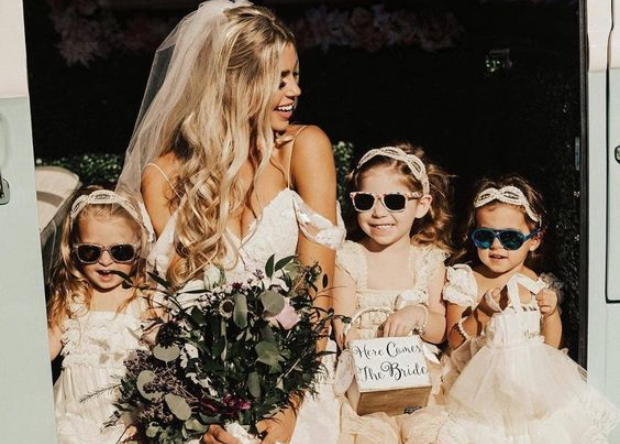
512, 383
94, 321
400, 237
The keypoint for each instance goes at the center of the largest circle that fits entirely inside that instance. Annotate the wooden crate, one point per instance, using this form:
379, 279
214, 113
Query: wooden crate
391, 375
391, 402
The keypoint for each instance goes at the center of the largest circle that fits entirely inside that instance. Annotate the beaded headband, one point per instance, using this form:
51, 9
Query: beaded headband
413, 162
102, 197
509, 195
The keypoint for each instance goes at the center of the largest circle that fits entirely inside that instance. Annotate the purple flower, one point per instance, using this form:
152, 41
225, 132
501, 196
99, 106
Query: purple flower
236, 286
234, 404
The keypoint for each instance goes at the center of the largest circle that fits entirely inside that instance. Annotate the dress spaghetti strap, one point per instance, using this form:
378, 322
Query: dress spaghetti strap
158, 168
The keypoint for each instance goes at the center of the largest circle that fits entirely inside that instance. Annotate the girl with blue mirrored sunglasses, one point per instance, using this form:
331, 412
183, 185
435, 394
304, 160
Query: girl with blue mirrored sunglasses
510, 239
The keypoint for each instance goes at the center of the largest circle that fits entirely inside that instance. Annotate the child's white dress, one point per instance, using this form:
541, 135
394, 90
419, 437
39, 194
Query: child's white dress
516, 389
379, 428
95, 344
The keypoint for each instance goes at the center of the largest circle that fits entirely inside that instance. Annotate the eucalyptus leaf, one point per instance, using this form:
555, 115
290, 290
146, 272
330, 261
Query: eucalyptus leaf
268, 334
166, 354
152, 431
254, 385
267, 353
210, 419
293, 270
198, 317
273, 302
240, 313
283, 262
145, 377
269, 267
178, 406
194, 425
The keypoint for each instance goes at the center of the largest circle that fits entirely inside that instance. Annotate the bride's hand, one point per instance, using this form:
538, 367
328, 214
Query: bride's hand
217, 435
280, 428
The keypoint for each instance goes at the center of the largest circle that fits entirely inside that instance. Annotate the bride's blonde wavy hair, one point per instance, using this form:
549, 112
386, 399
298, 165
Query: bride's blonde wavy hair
221, 120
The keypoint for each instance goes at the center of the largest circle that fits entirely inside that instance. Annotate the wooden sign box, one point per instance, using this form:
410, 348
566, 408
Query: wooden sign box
391, 402
391, 375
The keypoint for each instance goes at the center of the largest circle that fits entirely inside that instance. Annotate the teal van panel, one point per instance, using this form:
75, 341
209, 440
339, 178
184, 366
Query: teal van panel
26, 399
613, 178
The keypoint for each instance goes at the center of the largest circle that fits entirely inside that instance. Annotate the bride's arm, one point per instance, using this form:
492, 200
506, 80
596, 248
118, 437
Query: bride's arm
313, 175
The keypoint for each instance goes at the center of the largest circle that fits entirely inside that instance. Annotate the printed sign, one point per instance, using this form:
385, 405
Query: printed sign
389, 363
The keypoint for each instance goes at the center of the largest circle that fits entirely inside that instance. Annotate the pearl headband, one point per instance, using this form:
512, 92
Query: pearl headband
509, 195
107, 197
416, 166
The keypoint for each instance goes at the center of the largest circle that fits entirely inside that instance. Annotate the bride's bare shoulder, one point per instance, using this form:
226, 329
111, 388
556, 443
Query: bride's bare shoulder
157, 187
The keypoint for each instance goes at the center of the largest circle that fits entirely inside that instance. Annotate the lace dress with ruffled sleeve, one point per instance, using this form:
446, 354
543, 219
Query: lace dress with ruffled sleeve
379, 428
277, 233
95, 344
513, 388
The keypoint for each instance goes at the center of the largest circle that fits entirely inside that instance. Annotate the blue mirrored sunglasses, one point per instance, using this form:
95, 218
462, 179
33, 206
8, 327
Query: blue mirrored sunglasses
483, 238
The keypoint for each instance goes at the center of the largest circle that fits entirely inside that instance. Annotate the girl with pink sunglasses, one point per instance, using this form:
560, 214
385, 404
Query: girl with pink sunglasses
94, 321
400, 237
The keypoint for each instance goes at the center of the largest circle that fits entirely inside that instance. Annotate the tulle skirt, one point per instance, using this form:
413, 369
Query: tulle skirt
82, 408
524, 393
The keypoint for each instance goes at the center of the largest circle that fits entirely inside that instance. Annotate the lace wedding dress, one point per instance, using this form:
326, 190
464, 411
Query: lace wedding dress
95, 344
277, 232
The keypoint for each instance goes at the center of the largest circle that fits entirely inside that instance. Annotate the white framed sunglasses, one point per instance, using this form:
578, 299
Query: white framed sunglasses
393, 202
88, 253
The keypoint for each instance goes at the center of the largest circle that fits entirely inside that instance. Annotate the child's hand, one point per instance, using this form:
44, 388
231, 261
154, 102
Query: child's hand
491, 302
403, 321
352, 334
547, 302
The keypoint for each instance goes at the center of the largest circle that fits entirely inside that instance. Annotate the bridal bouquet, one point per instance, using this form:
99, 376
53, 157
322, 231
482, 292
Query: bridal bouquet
229, 353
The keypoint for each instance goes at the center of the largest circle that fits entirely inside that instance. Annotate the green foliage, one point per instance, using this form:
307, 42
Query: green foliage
343, 157
227, 353
92, 168
166, 354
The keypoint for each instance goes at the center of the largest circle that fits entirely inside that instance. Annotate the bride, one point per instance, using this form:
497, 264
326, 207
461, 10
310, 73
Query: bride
227, 179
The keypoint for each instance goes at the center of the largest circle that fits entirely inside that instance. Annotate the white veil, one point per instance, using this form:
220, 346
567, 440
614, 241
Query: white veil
170, 73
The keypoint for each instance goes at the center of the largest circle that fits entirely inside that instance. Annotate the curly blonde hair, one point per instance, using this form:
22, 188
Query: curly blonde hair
221, 121
68, 283
435, 228
467, 252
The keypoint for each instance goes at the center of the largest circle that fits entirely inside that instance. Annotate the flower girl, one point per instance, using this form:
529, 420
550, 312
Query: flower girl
401, 238
504, 326
93, 320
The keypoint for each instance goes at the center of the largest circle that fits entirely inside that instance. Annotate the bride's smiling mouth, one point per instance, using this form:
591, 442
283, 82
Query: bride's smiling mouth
285, 111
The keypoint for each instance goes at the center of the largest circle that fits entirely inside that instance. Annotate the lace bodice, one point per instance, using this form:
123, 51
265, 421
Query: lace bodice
423, 262
95, 345
275, 232
518, 321
101, 339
